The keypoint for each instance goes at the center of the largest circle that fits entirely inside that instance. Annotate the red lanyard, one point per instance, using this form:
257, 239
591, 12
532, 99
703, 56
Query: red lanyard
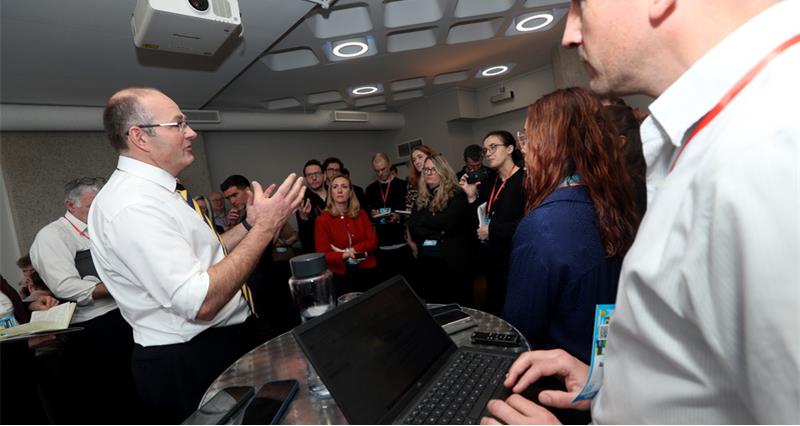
732, 93
81, 233
495, 195
385, 195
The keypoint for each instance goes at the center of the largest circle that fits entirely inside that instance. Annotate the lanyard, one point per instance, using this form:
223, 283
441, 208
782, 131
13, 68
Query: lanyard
385, 195
732, 93
494, 195
81, 233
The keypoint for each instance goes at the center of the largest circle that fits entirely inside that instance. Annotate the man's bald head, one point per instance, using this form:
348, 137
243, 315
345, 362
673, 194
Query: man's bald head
123, 110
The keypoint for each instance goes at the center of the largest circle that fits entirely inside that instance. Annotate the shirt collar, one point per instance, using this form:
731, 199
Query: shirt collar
697, 91
75, 221
384, 182
147, 171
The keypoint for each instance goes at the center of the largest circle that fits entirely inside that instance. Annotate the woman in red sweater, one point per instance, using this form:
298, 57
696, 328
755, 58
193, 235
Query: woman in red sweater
344, 233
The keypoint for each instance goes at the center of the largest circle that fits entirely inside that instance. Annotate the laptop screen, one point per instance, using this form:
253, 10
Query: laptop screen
372, 350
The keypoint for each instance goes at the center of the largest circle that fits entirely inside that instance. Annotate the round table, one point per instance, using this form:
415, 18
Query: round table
282, 359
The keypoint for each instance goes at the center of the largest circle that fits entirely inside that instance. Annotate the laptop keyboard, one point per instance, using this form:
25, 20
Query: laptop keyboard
461, 393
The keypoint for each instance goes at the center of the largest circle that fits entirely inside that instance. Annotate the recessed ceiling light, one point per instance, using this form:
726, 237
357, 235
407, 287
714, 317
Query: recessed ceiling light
350, 49
365, 90
545, 18
496, 70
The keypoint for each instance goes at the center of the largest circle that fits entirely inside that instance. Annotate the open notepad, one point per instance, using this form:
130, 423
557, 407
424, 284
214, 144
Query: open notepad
53, 319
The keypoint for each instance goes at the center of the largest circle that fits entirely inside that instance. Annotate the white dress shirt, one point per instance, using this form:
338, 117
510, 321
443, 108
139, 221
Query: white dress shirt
53, 257
707, 325
153, 253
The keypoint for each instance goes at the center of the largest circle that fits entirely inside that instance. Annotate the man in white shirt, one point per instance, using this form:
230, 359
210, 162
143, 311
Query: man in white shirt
166, 267
98, 357
708, 311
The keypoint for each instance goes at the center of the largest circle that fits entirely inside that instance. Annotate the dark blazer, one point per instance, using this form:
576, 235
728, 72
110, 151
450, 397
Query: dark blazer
454, 229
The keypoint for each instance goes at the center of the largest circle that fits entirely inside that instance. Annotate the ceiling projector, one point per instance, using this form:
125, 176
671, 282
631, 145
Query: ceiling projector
197, 27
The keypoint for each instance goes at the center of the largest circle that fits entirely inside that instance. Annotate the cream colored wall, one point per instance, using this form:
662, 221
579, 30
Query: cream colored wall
36, 165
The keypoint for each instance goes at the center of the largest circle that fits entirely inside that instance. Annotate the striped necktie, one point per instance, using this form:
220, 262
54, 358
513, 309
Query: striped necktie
180, 189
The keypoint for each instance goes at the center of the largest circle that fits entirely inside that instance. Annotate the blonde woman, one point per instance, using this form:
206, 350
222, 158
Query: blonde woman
442, 225
344, 233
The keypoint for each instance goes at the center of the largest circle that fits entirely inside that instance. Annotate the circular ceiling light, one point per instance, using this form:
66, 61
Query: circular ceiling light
365, 90
546, 18
354, 48
496, 70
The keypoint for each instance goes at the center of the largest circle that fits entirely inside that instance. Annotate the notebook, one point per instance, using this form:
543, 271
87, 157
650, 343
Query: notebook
384, 359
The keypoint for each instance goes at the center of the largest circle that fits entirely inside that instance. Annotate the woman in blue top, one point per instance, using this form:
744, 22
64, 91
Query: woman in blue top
567, 252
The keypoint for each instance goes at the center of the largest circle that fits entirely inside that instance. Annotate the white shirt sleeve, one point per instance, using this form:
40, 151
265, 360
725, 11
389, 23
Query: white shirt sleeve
162, 259
754, 272
53, 257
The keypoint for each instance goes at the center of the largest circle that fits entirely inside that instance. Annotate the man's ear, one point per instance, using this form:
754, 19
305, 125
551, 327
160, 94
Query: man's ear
660, 9
139, 138
69, 205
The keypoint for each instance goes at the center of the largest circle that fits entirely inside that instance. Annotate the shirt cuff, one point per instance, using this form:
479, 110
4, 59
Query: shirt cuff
189, 297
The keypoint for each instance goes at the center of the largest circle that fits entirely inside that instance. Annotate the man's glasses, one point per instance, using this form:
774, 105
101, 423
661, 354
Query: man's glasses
428, 170
492, 148
180, 125
332, 170
315, 174
522, 138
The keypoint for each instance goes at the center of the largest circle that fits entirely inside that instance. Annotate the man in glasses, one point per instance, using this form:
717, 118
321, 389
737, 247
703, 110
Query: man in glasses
313, 204
177, 282
98, 357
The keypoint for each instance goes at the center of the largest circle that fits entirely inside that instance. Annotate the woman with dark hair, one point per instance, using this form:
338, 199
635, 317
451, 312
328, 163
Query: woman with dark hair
567, 252
344, 233
627, 124
502, 209
441, 225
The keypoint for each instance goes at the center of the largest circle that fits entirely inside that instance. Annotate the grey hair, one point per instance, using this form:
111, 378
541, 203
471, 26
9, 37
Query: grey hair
76, 187
122, 111
382, 155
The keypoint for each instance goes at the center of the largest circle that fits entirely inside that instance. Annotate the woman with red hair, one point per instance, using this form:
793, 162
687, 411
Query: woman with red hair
567, 252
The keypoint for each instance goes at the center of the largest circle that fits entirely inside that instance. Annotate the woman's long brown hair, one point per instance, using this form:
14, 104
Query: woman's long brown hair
413, 174
569, 132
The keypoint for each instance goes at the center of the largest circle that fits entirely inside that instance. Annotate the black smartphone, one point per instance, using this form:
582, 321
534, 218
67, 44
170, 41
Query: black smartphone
477, 175
360, 255
451, 318
271, 402
222, 406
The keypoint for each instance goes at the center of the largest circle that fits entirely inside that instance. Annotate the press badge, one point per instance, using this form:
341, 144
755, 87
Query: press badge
602, 318
384, 211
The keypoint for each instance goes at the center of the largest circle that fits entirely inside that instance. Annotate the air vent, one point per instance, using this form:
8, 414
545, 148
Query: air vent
221, 8
404, 149
201, 116
357, 116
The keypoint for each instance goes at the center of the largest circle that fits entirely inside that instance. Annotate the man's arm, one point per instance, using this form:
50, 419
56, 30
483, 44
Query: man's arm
268, 214
233, 236
54, 260
100, 291
527, 369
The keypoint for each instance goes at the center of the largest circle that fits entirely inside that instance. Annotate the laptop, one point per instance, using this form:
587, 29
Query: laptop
385, 360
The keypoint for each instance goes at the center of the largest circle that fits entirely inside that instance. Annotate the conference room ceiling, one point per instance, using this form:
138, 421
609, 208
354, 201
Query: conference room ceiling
78, 52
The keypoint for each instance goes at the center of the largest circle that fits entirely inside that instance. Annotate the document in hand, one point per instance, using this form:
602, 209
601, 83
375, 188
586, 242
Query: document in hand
53, 319
482, 218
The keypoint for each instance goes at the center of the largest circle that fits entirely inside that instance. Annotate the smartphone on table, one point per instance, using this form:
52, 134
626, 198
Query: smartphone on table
270, 403
222, 406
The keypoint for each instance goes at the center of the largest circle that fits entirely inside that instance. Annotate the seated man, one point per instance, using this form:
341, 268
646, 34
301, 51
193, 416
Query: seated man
99, 355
